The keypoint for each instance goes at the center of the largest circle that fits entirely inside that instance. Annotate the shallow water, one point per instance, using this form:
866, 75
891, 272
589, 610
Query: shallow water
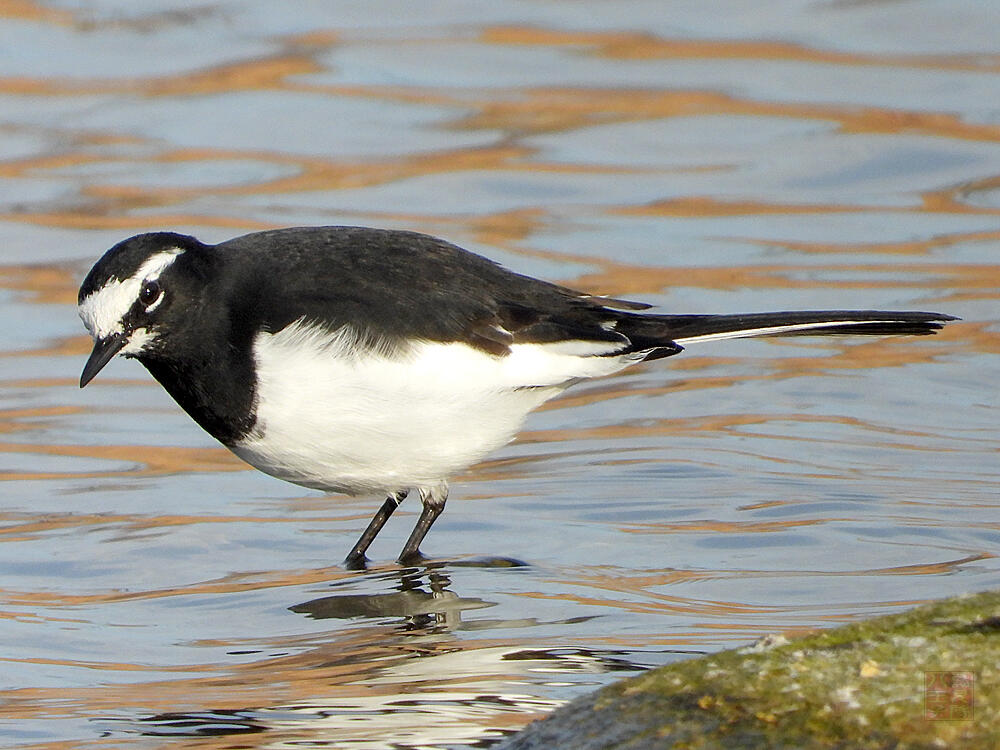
156, 593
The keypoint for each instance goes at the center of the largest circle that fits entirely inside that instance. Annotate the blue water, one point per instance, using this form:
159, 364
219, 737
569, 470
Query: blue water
155, 592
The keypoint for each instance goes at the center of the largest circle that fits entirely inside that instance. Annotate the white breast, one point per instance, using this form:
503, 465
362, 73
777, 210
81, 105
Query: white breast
336, 418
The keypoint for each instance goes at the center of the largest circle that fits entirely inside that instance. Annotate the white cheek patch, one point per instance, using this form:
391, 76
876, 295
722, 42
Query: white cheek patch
102, 311
137, 342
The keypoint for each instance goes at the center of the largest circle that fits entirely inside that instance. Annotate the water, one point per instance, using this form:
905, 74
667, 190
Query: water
706, 158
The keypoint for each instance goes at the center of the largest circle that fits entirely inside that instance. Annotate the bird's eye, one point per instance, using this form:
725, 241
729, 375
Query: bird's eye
150, 292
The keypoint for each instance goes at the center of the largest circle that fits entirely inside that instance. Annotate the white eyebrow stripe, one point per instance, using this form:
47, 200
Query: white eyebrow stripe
103, 310
157, 264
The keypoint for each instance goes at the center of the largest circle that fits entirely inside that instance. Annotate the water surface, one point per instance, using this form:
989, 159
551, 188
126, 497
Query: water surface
722, 158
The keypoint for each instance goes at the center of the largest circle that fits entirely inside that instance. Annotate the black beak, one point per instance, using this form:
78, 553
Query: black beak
104, 351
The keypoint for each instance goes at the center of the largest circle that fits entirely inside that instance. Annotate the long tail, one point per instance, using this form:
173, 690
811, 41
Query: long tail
683, 330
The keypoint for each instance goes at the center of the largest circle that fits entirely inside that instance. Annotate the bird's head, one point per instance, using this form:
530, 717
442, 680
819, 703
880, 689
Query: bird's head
130, 295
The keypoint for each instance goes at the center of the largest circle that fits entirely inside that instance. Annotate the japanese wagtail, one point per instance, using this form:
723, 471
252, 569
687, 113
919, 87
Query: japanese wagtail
365, 361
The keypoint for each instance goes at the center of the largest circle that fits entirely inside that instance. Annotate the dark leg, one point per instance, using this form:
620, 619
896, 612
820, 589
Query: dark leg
356, 557
433, 499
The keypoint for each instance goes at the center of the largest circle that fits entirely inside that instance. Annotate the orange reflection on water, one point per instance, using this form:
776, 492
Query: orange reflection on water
32, 11
44, 284
384, 672
518, 112
639, 590
642, 46
143, 460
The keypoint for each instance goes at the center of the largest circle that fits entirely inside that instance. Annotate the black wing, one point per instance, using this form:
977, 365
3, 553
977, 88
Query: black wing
391, 286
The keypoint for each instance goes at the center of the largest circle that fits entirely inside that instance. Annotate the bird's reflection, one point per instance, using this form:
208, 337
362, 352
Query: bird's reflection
399, 676
421, 598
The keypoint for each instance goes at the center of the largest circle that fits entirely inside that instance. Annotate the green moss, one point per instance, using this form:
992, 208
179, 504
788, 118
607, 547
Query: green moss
857, 686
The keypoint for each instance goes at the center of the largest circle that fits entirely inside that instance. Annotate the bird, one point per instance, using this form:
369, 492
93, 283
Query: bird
367, 361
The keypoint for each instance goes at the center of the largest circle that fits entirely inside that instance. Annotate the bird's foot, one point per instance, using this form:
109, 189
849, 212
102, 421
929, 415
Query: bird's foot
356, 562
413, 559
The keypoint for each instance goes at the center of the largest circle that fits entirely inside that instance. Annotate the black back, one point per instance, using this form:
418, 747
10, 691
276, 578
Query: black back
392, 286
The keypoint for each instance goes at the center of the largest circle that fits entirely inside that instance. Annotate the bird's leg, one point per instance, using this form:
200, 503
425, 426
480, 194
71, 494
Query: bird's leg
356, 557
433, 498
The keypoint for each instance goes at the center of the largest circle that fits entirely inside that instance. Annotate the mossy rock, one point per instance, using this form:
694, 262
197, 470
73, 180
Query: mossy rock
901, 681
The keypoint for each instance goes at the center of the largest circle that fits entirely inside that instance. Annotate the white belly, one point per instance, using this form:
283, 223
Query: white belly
335, 420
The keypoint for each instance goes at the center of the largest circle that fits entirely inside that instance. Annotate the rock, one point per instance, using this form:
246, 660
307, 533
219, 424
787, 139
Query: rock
925, 678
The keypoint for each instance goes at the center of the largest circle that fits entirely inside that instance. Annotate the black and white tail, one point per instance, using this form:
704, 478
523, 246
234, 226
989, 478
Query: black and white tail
691, 329
683, 330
